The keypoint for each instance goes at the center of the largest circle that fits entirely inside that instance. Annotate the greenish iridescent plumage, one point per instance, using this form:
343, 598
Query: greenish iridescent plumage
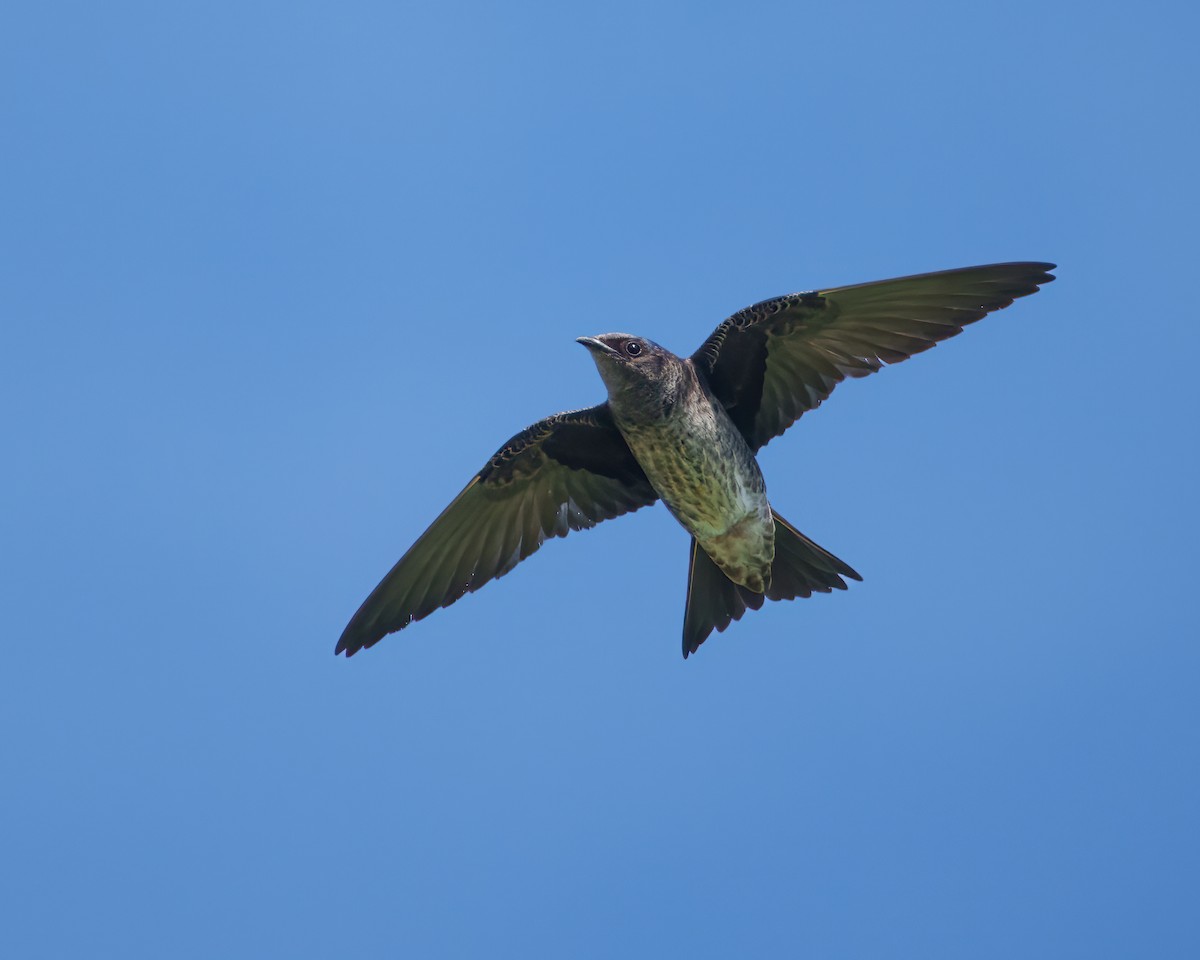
687, 431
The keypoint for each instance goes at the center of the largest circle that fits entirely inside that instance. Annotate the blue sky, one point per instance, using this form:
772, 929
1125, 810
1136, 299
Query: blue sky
276, 279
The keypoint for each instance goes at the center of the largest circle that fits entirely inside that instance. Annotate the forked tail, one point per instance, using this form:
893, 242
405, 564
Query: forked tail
800, 568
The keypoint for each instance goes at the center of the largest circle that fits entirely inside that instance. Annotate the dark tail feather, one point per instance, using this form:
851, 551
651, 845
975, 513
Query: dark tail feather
800, 569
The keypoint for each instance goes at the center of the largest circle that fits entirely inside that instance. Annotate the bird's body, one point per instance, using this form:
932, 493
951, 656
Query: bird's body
697, 461
686, 430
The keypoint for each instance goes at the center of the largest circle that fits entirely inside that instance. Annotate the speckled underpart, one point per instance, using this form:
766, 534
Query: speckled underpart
707, 476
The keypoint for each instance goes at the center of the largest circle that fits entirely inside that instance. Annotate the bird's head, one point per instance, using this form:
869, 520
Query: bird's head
636, 371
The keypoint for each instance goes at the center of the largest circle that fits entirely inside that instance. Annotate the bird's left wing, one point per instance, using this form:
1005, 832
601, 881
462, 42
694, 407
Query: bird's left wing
567, 472
772, 362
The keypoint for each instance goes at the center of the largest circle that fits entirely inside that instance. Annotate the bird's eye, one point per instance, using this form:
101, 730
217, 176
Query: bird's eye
633, 348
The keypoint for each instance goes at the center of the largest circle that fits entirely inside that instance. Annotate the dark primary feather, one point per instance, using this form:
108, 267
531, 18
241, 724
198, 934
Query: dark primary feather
772, 362
567, 472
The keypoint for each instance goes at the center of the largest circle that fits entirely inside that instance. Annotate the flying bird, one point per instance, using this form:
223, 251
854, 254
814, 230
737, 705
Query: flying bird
686, 431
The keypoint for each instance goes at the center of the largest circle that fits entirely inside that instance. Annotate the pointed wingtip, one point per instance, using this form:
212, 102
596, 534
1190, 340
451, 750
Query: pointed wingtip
350, 642
1046, 276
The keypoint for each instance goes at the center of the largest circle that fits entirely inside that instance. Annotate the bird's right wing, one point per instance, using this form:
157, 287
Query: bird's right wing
567, 472
772, 362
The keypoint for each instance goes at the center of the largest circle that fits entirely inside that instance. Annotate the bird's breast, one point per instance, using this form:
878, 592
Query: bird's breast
701, 467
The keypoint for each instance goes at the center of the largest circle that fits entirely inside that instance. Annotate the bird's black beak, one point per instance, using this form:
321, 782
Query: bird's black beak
596, 346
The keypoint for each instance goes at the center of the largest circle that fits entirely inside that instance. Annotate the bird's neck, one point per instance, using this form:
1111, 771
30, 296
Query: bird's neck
653, 401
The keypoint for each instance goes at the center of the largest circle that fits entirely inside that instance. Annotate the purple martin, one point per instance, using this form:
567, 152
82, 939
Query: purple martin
686, 431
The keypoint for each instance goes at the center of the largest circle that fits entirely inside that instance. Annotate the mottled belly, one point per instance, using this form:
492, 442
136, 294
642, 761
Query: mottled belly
710, 481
